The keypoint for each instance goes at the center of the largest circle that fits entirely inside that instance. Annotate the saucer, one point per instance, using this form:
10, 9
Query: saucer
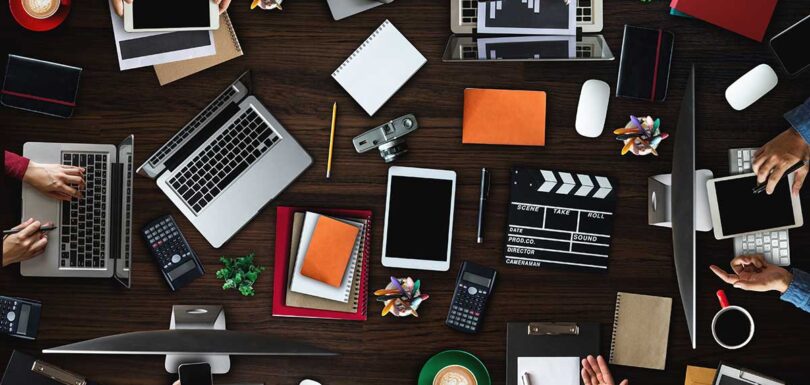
454, 357
37, 25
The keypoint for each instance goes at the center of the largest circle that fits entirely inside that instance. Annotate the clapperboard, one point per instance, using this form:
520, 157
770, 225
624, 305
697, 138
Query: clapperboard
559, 219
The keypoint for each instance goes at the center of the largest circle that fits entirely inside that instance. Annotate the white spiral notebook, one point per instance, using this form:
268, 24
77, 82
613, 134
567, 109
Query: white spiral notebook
379, 67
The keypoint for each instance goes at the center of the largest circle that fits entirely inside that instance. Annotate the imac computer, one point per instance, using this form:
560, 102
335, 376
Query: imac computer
680, 200
196, 334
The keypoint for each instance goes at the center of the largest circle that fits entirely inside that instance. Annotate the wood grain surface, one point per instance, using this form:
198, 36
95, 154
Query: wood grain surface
292, 54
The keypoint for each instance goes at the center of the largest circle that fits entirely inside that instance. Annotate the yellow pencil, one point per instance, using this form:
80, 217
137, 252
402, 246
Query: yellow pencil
331, 141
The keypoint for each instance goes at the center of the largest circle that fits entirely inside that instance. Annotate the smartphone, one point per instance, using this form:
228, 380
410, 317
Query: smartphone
195, 374
790, 47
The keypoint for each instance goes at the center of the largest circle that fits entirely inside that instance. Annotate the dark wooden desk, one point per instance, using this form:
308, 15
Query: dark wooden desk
292, 54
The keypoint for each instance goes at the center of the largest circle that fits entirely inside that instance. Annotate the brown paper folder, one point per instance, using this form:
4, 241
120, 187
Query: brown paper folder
507, 117
227, 45
696, 375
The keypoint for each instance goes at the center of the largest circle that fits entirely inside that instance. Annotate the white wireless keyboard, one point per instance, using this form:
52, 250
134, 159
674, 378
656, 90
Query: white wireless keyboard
773, 245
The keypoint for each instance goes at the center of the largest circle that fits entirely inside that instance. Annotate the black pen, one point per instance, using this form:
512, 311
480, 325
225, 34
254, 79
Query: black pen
482, 200
15, 231
761, 186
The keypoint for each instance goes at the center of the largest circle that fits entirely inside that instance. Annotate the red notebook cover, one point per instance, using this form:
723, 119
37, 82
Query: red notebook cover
284, 221
749, 18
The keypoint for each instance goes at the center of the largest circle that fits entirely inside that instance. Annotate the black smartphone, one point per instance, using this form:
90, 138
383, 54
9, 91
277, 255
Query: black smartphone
790, 47
195, 374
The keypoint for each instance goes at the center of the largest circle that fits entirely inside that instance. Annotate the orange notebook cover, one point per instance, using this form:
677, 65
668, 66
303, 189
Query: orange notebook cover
508, 117
329, 250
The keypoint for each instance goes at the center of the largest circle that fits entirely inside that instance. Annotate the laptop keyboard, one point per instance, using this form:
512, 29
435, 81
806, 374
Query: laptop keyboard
191, 127
469, 11
128, 216
773, 245
83, 226
213, 169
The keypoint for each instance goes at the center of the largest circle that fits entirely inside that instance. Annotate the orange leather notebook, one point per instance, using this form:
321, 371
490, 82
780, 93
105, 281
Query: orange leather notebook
507, 117
329, 250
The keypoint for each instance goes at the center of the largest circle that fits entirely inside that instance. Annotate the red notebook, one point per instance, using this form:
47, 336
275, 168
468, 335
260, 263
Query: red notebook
749, 18
284, 223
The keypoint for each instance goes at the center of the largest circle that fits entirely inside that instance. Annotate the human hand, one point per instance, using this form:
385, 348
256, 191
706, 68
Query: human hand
176, 382
753, 273
775, 157
119, 5
26, 244
55, 180
595, 371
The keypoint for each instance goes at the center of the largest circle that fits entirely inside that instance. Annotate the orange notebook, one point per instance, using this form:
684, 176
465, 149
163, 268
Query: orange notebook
329, 250
508, 117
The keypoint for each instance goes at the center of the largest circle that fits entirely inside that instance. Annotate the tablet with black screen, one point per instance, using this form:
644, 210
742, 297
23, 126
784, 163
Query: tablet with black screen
419, 218
173, 15
737, 210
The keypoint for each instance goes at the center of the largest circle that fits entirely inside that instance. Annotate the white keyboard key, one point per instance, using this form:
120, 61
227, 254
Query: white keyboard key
783, 244
759, 241
783, 235
775, 243
746, 156
746, 165
759, 250
767, 248
767, 239
739, 163
751, 238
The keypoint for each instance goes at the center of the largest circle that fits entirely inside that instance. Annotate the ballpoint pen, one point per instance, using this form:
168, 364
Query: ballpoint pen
761, 186
482, 203
15, 231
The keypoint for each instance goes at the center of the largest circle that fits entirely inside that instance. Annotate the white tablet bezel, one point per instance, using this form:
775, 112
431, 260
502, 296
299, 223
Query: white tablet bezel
213, 20
798, 221
419, 264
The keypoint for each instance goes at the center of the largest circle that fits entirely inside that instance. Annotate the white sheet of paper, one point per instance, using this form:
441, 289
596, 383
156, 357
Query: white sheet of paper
550, 370
165, 57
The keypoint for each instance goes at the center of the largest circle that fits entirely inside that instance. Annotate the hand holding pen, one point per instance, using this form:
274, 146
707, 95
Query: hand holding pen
25, 241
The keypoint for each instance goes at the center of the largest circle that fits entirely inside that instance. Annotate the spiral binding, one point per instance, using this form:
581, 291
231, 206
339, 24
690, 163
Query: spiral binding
615, 325
232, 32
353, 272
359, 49
364, 272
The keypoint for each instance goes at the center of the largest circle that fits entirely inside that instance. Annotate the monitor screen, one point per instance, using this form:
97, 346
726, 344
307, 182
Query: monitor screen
742, 211
419, 218
156, 14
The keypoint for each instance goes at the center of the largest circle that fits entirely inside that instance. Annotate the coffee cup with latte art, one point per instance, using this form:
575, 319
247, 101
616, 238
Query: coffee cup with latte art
40, 9
455, 375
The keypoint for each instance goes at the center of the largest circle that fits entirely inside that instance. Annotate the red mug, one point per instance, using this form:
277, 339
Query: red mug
725, 307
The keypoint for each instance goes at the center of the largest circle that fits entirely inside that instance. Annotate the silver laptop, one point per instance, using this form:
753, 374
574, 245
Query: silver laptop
94, 233
464, 15
227, 163
527, 48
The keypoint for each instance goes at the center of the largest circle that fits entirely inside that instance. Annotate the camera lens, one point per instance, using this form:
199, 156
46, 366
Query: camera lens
392, 150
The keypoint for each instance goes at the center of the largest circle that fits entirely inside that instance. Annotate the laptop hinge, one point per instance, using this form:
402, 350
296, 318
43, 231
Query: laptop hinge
116, 192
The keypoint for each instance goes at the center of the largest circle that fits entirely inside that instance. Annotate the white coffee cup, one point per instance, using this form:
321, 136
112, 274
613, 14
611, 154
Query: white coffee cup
41, 9
725, 307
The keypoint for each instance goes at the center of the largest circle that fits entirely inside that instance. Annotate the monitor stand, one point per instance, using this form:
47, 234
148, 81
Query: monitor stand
209, 317
659, 200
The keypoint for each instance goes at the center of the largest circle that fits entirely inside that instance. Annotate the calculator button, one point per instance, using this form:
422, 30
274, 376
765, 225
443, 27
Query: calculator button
175, 258
472, 290
11, 316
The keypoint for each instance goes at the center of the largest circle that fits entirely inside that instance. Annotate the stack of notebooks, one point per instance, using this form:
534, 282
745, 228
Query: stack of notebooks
322, 263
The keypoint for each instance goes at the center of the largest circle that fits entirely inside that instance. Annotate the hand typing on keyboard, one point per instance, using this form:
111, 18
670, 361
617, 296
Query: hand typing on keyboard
776, 156
26, 244
55, 180
754, 273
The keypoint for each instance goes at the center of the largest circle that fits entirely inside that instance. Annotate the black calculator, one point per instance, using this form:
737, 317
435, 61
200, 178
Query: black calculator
473, 288
177, 261
20, 317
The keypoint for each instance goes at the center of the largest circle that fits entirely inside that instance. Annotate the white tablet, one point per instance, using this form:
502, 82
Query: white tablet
173, 15
419, 218
736, 210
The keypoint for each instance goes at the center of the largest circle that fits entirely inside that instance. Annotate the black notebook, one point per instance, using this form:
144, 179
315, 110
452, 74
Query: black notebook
645, 63
40, 86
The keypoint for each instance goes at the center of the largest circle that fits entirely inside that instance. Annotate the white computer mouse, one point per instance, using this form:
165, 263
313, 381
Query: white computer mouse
751, 86
592, 108
309, 382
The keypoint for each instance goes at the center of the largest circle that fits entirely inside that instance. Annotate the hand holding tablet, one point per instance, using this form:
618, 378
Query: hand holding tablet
155, 15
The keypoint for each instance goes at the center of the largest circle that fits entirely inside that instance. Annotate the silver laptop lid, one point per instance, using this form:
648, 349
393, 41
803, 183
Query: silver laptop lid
123, 264
527, 48
200, 124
